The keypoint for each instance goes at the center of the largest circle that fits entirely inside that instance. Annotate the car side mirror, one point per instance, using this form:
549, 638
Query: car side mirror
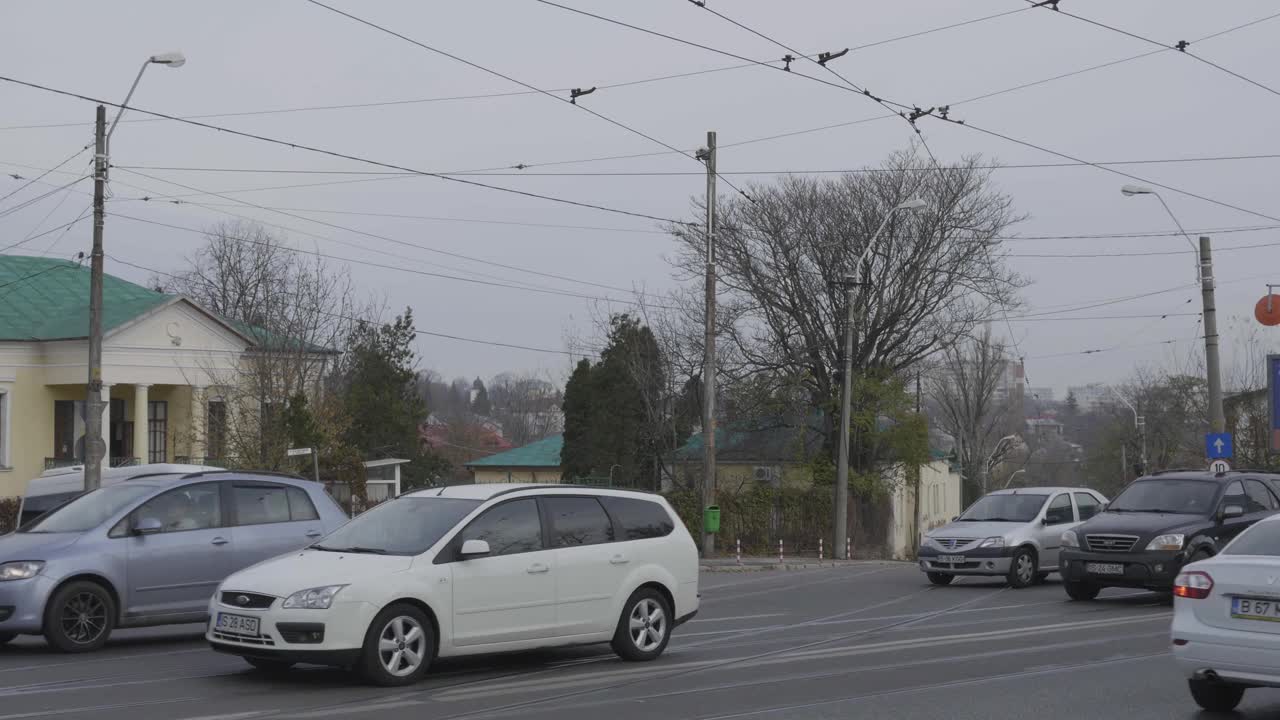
473, 549
1231, 511
147, 526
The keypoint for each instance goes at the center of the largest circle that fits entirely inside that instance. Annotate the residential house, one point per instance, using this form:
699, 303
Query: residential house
1044, 427
163, 357
537, 462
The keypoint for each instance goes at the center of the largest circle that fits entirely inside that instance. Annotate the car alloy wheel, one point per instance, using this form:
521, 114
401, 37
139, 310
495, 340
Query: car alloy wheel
648, 625
1022, 569
402, 646
83, 618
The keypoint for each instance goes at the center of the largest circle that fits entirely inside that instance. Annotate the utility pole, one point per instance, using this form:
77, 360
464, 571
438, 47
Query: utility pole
94, 447
709, 341
1217, 419
846, 398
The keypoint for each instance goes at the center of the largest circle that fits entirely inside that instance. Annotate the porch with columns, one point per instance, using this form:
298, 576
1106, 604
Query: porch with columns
141, 422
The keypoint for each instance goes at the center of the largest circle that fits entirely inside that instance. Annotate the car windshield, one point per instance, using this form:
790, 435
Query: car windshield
1189, 497
1261, 539
405, 526
89, 510
1020, 507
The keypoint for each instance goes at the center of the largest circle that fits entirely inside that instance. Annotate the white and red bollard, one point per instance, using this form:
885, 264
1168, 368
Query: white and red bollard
781, 559
819, 549
738, 550
848, 548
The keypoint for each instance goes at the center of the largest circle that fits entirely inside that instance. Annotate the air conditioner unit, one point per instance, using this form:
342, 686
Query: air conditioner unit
770, 475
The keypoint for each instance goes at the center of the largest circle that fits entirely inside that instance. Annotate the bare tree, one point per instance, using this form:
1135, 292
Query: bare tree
527, 406
782, 259
297, 310
963, 392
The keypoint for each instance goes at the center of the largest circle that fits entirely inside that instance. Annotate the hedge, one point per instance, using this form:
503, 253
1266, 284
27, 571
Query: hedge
9, 514
760, 516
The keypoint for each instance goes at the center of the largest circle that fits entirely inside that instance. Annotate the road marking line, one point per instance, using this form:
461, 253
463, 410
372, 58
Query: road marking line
347, 710
735, 617
95, 708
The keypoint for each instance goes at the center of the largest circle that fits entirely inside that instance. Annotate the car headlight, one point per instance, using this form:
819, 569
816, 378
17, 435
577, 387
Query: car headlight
319, 598
20, 570
992, 542
1166, 542
1069, 539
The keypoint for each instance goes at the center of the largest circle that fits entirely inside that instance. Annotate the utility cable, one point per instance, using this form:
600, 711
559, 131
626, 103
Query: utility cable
571, 100
337, 154
27, 184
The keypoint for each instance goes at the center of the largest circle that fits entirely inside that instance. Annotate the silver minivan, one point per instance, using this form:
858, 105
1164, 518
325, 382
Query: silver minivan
150, 551
1012, 533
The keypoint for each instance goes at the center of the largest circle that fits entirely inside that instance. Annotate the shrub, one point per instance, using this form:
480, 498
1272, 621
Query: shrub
9, 514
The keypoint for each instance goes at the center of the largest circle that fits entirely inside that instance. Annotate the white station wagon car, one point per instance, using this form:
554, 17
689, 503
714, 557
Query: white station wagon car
466, 570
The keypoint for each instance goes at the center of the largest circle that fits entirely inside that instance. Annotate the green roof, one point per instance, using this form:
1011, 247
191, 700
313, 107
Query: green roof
48, 299
544, 453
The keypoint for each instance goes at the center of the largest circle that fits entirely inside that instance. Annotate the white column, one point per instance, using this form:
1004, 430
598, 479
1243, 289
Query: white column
199, 415
106, 423
140, 434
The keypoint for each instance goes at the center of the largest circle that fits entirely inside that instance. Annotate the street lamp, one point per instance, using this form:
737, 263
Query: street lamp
842, 468
1204, 277
1139, 424
1012, 476
94, 446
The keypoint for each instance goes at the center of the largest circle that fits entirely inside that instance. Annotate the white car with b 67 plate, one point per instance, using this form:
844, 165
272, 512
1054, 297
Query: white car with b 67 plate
1226, 620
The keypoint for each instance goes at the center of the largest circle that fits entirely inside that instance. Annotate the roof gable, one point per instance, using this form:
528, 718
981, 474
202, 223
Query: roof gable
543, 453
48, 299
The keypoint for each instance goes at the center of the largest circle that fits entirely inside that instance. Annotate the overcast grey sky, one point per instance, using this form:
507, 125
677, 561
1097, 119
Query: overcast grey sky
278, 54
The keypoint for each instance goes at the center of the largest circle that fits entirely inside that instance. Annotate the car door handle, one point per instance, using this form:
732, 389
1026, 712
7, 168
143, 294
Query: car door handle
538, 568
314, 534
219, 541
618, 560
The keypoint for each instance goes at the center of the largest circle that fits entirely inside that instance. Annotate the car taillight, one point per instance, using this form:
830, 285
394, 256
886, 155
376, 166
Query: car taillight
1195, 585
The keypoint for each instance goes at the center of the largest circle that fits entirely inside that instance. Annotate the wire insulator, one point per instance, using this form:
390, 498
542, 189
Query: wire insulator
1182, 45
576, 93
788, 59
826, 57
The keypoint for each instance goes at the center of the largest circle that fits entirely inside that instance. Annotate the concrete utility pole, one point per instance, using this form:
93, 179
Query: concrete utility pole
1217, 419
709, 340
94, 446
846, 400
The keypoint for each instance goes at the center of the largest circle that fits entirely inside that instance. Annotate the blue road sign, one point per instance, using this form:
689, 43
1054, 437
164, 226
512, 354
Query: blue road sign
1218, 445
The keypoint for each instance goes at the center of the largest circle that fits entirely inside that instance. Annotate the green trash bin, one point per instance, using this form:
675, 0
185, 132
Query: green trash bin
711, 519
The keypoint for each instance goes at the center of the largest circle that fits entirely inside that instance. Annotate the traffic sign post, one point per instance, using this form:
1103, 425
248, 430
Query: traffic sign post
1218, 467
315, 458
1218, 446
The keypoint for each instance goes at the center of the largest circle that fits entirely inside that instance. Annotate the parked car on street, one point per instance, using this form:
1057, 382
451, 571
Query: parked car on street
149, 551
1010, 533
1158, 524
1226, 619
465, 570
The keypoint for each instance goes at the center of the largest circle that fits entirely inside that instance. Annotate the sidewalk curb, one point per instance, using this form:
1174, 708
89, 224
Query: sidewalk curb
765, 566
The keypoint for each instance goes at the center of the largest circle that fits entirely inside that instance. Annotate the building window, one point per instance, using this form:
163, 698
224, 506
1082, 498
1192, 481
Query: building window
68, 430
216, 430
158, 431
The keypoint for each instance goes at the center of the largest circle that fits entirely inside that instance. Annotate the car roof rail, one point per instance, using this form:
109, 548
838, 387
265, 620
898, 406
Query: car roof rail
1166, 471
144, 476
271, 473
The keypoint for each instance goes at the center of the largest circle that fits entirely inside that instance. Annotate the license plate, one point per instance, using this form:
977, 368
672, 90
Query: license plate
1104, 568
237, 624
950, 559
1244, 608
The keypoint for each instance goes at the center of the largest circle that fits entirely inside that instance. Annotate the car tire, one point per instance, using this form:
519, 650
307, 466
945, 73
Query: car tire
6, 638
1041, 577
398, 647
1216, 696
270, 667
940, 578
644, 629
1198, 555
79, 617
1022, 569
1081, 591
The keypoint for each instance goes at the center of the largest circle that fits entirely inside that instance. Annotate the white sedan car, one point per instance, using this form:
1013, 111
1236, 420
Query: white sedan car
466, 570
1226, 621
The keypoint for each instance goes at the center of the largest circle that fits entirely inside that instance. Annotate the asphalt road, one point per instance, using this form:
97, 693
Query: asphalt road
868, 641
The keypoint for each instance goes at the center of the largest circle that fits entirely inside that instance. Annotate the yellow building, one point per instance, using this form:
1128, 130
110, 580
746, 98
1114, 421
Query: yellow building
162, 356
537, 462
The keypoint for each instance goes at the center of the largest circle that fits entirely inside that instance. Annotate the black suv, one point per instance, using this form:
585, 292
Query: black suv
1158, 524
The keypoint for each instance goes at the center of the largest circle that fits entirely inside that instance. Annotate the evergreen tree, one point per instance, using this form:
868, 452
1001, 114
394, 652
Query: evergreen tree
380, 396
578, 455
480, 405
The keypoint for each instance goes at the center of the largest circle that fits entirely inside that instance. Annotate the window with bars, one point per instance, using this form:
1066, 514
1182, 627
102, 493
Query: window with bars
216, 430
158, 431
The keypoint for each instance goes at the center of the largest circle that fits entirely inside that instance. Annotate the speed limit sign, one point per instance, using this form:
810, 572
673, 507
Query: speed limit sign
1219, 466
